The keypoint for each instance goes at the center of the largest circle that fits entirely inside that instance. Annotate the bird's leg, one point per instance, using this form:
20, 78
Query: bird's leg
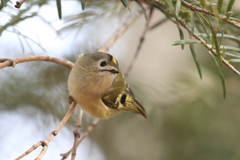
70, 99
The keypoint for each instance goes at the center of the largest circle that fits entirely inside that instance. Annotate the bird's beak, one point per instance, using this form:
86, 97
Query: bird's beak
113, 71
110, 70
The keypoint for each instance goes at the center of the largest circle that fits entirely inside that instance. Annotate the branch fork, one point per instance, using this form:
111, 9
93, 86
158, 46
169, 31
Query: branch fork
45, 142
19, 3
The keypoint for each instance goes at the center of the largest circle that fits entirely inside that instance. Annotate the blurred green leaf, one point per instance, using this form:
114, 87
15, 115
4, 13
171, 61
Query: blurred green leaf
3, 4
78, 20
219, 6
181, 35
206, 3
223, 52
170, 5
125, 3
186, 41
233, 54
220, 35
234, 60
203, 23
178, 6
195, 59
83, 4
202, 2
158, 23
185, 15
59, 8
220, 74
15, 19
221, 38
215, 43
230, 48
235, 19
229, 14
192, 27
230, 4
143, 9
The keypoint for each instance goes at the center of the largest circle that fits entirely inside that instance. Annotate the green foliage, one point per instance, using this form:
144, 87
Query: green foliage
185, 15
219, 5
143, 9
95, 11
59, 8
83, 4
186, 41
158, 23
125, 3
230, 5
195, 59
207, 24
181, 37
3, 4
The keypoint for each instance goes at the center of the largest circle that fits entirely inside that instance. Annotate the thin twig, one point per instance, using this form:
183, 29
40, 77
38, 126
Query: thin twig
89, 130
15, 31
222, 17
159, 3
86, 133
209, 48
120, 31
51, 136
141, 41
49, 24
5, 62
76, 133
19, 4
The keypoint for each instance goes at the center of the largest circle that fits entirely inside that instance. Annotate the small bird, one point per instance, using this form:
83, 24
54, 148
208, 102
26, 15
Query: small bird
98, 86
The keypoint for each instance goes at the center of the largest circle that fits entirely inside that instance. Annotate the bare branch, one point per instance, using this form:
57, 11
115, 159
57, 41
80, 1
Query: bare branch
141, 41
19, 4
89, 130
4, 62
222, 17
120, 31
51, 136
15, 31
76, 133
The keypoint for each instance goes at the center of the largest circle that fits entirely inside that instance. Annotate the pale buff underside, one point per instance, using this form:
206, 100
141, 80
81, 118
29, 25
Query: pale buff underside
95, 107
87, 94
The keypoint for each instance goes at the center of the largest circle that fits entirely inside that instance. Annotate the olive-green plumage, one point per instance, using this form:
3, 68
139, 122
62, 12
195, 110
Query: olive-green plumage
98, 86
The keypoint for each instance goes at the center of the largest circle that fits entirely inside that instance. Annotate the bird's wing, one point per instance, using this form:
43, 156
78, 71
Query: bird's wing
118, 86
121, 97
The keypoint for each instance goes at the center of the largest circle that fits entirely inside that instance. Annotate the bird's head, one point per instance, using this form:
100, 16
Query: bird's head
99, 63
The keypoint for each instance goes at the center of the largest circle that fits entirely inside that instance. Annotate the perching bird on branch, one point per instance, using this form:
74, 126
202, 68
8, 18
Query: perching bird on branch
98, 86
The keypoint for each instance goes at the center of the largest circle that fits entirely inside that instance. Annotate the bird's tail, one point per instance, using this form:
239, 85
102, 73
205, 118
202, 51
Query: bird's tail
128, 103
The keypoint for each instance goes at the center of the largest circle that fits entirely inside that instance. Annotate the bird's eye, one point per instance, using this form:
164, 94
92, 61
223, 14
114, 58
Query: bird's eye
103, 63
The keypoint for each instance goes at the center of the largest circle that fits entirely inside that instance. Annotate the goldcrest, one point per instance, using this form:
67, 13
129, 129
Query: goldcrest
98, 86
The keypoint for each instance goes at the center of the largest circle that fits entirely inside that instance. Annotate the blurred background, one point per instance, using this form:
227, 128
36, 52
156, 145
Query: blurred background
188, 118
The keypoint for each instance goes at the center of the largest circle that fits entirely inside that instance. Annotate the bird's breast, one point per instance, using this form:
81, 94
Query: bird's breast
94, 106
87, 90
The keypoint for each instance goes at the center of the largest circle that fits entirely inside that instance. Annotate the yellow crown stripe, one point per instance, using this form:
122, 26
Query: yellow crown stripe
114, 60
